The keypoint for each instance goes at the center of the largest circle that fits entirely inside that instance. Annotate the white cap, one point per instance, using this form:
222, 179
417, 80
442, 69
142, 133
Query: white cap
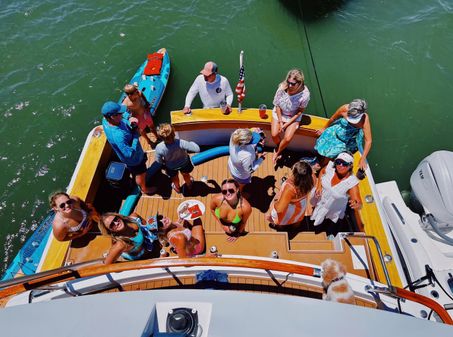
346, 157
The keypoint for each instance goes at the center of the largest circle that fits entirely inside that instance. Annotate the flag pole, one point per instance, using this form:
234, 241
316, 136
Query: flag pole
241, 58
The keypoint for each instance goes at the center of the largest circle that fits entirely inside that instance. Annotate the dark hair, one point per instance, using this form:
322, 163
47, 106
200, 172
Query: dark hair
230, 181
236, 184
302, 175
350, 166
55, 195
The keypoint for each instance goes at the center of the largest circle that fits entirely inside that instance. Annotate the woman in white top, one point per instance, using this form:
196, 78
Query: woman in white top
243, 160
186, 239
337, 185
290, 101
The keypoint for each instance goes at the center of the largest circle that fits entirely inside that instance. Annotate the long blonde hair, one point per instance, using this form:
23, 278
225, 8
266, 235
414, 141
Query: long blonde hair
295, 73
105, 231
241, 136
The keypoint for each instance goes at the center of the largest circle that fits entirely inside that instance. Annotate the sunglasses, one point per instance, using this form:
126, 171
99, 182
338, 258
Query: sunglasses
230, 190
340, 162
68, 202
132, 93
292, 84
114, 222
115, 114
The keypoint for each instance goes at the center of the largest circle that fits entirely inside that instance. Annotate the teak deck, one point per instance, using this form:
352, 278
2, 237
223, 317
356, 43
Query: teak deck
261, 240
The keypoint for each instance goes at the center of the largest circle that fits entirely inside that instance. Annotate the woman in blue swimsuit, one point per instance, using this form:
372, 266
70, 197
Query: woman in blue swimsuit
127, 238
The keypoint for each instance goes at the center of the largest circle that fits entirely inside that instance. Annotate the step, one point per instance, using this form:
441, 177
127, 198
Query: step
254, 244
312, 245
309, 236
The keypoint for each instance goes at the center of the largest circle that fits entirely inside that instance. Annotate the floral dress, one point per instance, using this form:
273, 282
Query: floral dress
341, 136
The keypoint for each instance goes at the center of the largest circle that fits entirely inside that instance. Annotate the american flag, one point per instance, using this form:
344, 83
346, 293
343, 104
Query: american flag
240, 87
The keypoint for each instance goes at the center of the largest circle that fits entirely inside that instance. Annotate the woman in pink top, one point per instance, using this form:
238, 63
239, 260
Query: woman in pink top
289, 205
138, 106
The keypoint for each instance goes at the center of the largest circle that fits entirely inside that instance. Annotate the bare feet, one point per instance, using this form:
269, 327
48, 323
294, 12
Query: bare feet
268, 217
232, 239
177, 189
275, 157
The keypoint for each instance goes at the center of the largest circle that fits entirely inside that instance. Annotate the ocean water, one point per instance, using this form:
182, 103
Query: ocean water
62, 59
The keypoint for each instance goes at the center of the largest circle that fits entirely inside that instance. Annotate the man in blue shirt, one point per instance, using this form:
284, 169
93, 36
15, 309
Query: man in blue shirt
125, 142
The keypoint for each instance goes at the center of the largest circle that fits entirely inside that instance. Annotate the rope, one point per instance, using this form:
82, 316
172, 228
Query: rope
312, 60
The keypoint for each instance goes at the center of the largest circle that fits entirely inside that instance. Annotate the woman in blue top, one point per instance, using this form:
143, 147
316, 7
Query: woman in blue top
345, 131
127, 238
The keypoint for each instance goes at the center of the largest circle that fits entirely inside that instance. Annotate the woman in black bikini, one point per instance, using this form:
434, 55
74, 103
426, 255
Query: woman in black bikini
73, 218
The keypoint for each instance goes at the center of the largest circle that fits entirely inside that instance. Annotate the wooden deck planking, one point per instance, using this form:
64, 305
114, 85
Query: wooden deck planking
261, 240
213, 170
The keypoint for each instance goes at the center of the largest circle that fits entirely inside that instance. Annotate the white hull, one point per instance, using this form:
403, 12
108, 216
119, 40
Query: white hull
420, 247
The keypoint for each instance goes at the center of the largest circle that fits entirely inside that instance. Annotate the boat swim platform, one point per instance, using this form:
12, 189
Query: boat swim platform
261, 240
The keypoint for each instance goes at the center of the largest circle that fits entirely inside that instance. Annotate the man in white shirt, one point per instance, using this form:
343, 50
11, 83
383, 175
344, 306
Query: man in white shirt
212, 88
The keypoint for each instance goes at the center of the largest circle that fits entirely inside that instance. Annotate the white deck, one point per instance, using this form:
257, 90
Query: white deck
228, 313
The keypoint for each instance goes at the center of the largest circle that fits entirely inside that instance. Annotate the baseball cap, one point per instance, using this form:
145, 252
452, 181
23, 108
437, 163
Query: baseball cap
356, 109
110, 108
346, 157
209, 68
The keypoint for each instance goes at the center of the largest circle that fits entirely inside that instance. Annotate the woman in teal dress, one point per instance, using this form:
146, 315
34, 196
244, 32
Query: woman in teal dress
347, 130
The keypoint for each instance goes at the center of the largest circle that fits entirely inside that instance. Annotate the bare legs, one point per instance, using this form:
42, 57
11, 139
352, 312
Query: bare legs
187, 179
140, 180
198, 234
282, 143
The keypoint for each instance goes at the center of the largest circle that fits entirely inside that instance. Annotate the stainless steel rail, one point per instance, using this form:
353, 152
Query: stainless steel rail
379, 250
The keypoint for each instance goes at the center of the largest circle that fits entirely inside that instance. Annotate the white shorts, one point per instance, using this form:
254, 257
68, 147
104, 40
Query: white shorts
285, 118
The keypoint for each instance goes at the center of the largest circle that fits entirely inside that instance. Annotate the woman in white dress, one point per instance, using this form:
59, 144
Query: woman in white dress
336, 187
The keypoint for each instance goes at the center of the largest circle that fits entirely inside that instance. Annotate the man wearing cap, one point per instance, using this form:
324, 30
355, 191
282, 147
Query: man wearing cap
347, 130
212, 87
125, 142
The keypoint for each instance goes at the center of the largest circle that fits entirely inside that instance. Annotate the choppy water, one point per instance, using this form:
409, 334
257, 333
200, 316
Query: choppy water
62, 59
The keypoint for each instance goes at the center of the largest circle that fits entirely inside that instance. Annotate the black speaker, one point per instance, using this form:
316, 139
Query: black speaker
183, 321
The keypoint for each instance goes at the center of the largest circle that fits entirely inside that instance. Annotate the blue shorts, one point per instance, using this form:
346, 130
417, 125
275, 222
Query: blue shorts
186, 168
140, 168
243, 181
